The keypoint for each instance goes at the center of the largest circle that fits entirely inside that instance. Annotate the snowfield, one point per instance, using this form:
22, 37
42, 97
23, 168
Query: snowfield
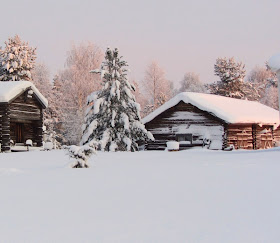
186, 196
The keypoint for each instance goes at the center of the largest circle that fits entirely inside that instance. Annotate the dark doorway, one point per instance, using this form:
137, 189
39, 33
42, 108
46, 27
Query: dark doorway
19, 133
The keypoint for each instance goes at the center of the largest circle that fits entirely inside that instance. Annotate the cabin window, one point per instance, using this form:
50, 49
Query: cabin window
184, 138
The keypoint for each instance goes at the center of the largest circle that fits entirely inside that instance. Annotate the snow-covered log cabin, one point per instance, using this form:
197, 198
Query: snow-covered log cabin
21, 113
195, 119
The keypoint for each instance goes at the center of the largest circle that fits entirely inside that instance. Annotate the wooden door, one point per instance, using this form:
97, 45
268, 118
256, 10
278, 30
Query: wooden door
19, 133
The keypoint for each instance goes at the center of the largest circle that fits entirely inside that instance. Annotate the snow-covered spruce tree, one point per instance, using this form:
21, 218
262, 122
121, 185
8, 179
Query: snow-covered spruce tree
114, 118
80, 155
17, 60
228, 70
232, 80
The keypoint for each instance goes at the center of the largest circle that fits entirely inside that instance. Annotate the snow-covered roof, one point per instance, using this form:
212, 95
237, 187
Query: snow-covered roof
11, 89
228, 109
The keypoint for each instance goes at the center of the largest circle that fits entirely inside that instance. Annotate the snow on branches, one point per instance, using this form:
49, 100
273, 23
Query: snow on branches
80, 155
113, 117
17, 60
157, 87
232, 82
191, 83
228, 70
265, 81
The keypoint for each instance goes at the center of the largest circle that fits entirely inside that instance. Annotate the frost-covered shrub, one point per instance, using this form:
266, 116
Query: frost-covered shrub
113, 117
81, 154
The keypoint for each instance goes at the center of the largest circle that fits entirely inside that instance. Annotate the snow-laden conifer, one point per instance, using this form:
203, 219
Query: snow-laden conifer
17, 60
232, 82
80, 155
113, 117
229, 70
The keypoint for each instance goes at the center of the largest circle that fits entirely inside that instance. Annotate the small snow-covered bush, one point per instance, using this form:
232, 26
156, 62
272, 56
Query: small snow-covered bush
81, 154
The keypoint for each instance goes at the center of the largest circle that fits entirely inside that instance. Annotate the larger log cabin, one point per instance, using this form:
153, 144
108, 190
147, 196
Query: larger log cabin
195, 119
21, 113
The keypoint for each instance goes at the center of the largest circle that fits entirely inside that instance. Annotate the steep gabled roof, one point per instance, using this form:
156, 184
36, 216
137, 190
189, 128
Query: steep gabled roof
11, 89
228, 109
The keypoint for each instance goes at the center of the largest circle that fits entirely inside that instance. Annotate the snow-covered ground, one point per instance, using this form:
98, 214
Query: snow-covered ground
186, 196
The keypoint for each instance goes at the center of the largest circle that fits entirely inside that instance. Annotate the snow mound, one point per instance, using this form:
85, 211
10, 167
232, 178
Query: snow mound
9, 171
172, 145
228, 109
48, 146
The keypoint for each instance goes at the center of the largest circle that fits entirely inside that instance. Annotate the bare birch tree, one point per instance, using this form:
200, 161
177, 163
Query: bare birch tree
265, 81
53, 113
76, 83
191, 82
158, 89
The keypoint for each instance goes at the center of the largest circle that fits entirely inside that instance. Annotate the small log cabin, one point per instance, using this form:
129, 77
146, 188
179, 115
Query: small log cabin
21, 114
195, 119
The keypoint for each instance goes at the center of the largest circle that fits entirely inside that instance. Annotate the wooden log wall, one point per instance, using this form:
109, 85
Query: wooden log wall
240, 136
38, 130
276, 134
5, 127
264, 137
250, 136
25, 108
185, 119
29, 112
26, 111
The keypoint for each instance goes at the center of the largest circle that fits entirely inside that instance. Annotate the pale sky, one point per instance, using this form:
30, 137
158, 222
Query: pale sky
183, 36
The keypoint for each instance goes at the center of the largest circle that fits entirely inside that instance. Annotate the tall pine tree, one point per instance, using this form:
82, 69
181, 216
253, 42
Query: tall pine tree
17, 60
232, 82
113, 119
